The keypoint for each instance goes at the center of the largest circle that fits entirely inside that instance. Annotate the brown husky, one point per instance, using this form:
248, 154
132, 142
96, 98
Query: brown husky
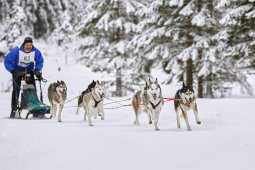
150, 101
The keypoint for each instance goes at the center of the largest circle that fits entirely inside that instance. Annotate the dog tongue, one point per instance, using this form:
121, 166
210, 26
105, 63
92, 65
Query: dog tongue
63, 95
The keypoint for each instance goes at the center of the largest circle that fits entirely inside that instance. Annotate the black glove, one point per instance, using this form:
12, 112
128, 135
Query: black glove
17, 74
38, 74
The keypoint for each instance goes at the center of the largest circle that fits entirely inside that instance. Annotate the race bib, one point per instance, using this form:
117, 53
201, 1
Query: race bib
26, 58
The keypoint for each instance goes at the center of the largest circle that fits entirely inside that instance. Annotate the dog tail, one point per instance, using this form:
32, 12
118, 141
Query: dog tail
176, 102
79, 104
135, 104
80, 100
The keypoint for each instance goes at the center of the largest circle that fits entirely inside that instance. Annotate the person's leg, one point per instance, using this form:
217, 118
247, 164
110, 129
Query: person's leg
15, 96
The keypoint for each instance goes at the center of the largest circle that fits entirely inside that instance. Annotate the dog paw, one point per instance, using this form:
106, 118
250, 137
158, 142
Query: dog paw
102, 118
150, 122
91, 125
157, 129
199, 122
136, 123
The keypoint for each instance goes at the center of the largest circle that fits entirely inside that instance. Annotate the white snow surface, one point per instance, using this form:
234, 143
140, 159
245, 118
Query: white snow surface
224, 140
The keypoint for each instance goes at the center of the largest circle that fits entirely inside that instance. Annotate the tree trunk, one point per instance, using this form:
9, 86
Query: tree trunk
200, 80
200, 87
189, 72
118, 83
209, 88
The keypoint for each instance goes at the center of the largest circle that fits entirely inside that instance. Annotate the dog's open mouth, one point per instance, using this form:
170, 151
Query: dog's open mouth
101, 95
154, 96
62, 93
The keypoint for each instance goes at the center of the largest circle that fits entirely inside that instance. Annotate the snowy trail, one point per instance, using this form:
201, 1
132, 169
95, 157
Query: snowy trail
225, 140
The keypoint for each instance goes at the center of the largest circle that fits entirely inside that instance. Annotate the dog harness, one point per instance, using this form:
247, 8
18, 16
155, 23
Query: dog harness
96, 102
154, 106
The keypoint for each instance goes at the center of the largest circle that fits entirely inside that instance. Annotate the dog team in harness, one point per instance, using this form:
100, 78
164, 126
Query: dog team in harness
26, 62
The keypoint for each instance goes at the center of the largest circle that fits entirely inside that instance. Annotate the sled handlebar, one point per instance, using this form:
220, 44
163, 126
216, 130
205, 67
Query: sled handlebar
42, 79
28, 73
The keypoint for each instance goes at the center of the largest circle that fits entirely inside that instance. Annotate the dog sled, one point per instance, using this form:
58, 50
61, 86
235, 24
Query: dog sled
30, 102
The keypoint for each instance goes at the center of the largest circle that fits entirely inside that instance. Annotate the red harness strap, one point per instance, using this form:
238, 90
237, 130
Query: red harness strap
168, 99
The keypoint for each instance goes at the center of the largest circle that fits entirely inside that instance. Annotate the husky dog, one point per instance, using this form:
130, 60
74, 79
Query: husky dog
185, 101
92, 100
150, 101
57, 96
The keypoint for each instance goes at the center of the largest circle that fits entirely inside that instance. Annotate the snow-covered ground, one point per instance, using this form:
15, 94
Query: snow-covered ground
223, 141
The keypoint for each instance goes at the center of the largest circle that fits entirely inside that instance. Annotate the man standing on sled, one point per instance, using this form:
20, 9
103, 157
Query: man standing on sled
21, 60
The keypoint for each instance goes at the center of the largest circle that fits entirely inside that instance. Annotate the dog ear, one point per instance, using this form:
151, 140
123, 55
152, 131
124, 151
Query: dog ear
183, 84
98, 82
102, 83
156, 81
190, 86
146, 85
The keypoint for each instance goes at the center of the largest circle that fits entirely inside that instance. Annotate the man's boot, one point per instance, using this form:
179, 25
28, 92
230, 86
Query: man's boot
13, 114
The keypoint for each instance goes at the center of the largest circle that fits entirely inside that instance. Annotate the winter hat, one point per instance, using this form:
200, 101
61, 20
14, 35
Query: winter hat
28, 40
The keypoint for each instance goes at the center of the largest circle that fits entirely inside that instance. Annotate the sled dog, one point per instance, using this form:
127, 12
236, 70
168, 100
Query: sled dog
185, 101
150, 101
92, 100
57, 96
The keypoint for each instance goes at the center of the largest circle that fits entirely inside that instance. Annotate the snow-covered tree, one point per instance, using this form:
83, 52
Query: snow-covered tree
195, 24
4, 16
14, 24
105, 33
237, 39
175, 35
153, 38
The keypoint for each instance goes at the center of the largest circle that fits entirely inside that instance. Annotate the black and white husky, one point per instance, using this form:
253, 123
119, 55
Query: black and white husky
185, 101
57, 96
150, 101
92, 100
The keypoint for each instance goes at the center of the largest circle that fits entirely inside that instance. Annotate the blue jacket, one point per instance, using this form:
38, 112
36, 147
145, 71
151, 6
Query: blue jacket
17, 59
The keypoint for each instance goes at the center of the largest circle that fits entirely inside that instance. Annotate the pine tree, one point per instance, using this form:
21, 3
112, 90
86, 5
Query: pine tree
4, 17
16, 25
195, 24
236, 40
106, 32
176, 37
